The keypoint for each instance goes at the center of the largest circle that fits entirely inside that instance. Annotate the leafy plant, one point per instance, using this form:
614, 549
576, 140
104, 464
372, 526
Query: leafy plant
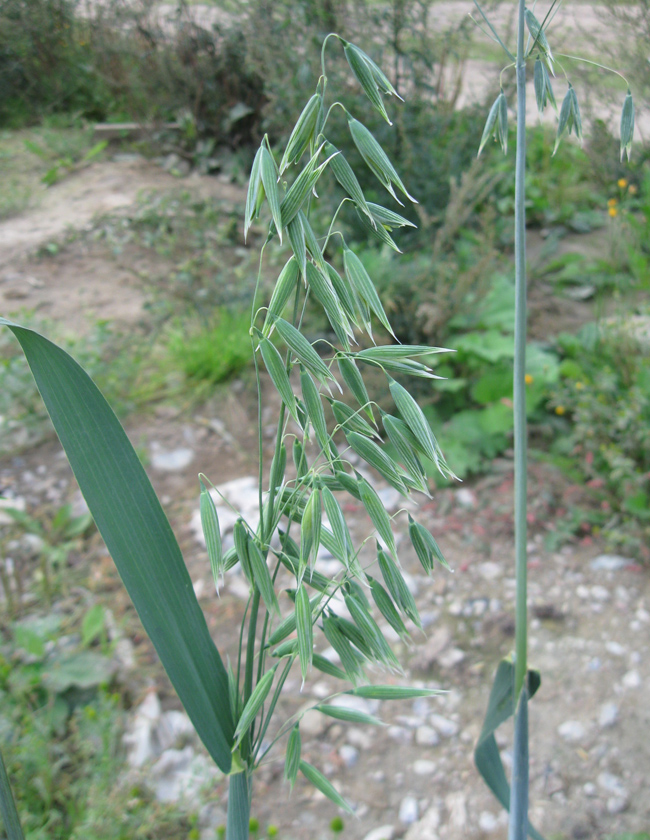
232, 707
603, 406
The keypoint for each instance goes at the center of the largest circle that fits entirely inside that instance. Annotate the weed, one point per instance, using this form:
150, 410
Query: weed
603, 405
211, 352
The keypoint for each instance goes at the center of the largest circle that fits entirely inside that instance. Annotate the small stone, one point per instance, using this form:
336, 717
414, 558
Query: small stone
612, 784
447, 728
600, 593
312, 724
426, 828
608, 715
400, 734
349, 755
615, 649
487, 822
408, 810
172, 460
360, 739
490, 570
617, 804
391, 498
181, 775
572, 731
590, 789
609, 563
450, 658
384, 832
465, 498
582, 592
426, 736
632, 679
424, 767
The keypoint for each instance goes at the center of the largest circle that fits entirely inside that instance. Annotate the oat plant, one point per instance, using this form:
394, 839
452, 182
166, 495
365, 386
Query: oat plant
514, 684
329, 443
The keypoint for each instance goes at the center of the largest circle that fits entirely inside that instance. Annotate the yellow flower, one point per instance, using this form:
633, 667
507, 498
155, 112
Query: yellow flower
580, 386
622, 183
528, 379
613, 212
632, 189
612, 202
560, 410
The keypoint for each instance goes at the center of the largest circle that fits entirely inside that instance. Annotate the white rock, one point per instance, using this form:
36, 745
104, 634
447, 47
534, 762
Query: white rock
572, 731
426, 736
424, 767
391, 498
170, 460
632, 679
360, 738
182, 775
457, 806
349, 755
384, 832
615, 649
312, 724
400, 734
590, 789
608, 715
490, 570
612, 784
426, 828
238, 586
465, 497
600, 593
609, 563
451, 657
617, 804
408, 810
447, 728
487, 822
140, 738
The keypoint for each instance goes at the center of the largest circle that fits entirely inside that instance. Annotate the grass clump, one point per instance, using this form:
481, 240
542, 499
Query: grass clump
214, 351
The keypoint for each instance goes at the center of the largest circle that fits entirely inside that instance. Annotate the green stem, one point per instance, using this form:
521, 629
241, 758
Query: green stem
239, 807
8, 806
250, 660
521, 618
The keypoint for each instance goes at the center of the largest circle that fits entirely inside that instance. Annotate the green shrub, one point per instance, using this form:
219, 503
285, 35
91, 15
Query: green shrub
603, 402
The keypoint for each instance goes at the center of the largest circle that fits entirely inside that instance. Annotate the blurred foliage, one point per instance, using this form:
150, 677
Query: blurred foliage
602, 403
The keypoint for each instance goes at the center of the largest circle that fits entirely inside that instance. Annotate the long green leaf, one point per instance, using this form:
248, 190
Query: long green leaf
8, 806
138, 537
501, 706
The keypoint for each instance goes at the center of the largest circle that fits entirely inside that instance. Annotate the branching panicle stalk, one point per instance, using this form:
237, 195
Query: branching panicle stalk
520, 432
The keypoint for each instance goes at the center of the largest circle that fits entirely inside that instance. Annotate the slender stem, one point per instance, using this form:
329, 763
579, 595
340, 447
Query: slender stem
250, 661
594, 64
521, 618
276, 696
